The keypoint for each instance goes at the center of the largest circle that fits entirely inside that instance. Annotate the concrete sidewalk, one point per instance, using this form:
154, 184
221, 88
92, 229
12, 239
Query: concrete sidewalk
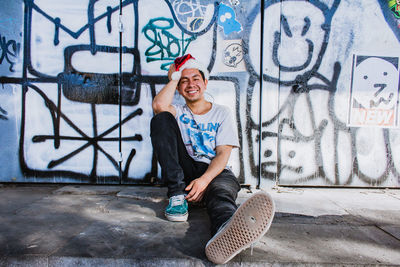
42, 225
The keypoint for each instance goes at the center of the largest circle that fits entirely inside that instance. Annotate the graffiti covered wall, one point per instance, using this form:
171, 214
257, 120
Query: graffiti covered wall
313, 87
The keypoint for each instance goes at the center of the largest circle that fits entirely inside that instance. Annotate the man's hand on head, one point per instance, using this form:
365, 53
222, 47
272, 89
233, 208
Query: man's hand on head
171, 70
173, 74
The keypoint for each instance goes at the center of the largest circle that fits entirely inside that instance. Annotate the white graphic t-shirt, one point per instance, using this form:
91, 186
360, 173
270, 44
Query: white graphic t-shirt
203, 133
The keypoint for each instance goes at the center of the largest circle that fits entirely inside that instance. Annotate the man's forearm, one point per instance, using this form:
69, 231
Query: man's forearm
163, 100
213, 170
218, 164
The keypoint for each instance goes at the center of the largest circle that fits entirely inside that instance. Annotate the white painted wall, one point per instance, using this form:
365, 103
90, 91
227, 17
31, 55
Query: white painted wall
58, 126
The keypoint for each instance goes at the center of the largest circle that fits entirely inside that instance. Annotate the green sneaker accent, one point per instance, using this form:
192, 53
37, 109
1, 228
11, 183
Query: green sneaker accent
177, 209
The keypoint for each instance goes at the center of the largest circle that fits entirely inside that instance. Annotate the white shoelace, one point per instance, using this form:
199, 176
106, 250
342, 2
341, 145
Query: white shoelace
177, 200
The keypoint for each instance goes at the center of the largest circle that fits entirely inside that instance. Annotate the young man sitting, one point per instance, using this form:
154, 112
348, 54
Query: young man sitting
193, 143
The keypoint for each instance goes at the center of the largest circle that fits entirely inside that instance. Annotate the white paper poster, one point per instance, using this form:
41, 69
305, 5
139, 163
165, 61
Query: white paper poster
374, 91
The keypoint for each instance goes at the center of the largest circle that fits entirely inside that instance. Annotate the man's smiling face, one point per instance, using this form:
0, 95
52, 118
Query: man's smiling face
192, 85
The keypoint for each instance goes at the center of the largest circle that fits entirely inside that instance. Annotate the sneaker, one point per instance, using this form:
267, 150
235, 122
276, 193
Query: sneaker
247, 225
177, 209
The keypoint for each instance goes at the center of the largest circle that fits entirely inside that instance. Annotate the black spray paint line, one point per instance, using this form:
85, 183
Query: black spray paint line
9, 50
3, 115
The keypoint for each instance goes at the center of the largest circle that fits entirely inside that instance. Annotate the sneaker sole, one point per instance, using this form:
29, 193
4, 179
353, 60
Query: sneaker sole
248, 225
177, 218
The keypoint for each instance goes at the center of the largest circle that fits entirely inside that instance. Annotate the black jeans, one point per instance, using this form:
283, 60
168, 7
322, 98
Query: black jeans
178, 169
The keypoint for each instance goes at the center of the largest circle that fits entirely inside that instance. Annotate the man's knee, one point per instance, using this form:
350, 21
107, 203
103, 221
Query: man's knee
160, 120
224, 186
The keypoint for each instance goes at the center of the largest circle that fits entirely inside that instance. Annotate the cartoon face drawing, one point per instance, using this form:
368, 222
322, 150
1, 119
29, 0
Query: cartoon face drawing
296, 160
289, 156
296, 34
375, 83
227, 19
233, 55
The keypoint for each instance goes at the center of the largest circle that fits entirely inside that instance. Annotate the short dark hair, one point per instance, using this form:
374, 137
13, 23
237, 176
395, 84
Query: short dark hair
202, 75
